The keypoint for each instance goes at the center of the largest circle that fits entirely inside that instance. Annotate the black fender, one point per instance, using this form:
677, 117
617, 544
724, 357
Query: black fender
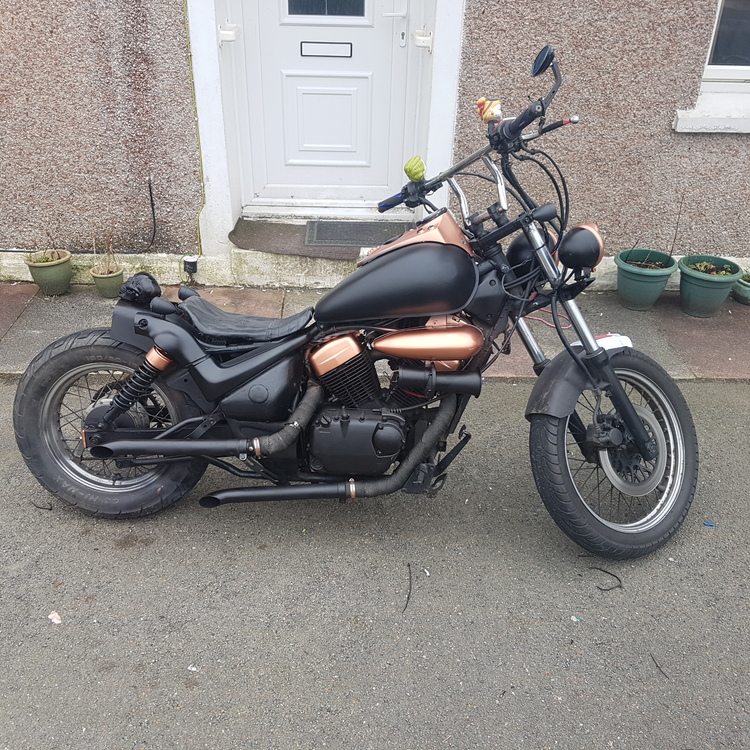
562, 381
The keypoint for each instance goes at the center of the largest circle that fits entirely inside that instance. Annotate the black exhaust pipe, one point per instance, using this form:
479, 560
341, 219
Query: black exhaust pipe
345, 490
264, 445
155, 447
325, 491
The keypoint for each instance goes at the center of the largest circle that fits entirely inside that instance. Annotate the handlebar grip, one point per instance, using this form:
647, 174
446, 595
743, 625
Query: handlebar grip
392, 202
511, 130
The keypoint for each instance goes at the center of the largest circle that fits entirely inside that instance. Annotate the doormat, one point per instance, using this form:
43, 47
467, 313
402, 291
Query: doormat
353, 233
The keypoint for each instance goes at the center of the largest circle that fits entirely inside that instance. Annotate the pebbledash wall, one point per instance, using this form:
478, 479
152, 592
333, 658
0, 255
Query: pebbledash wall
97, 98
95, 102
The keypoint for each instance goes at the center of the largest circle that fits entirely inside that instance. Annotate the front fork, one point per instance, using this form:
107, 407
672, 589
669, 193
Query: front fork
594, 358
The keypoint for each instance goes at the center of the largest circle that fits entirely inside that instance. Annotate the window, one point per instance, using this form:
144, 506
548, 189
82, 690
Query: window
732, 36
724, 101
326, 7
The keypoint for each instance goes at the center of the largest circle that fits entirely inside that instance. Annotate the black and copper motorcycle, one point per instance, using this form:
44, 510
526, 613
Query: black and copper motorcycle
361, 395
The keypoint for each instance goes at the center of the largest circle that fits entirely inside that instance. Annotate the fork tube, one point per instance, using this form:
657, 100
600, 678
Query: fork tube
580, 326
532, 347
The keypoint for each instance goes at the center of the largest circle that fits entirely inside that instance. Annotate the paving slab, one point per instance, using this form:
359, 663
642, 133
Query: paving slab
715, 348
13, 300
604, 314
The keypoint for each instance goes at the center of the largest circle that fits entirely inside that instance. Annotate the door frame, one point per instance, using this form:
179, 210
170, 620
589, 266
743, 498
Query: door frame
217, 78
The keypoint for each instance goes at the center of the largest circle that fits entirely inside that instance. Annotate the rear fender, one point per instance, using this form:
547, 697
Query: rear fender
562, 381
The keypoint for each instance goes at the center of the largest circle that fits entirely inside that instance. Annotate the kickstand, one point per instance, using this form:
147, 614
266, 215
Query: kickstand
441, 468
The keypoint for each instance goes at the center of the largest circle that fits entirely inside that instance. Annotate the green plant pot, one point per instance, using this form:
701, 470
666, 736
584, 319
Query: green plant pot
701, 295
741, 292
639, 288
52, 276
108, 284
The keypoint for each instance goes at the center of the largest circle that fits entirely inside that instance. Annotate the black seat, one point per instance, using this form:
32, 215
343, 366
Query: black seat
215, 323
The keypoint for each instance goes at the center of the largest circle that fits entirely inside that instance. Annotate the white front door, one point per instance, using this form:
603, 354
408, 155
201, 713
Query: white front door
332, 112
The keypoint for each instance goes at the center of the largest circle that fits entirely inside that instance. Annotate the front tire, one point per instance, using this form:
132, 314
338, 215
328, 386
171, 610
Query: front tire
62, 384
610, 500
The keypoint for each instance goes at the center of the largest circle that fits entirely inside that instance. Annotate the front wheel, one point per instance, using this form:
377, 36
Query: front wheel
600, 491
61, 386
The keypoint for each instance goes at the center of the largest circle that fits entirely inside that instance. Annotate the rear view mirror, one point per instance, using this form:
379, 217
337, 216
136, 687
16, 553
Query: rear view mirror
543, 60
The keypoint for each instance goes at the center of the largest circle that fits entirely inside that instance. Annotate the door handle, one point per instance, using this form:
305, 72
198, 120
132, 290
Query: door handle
402, 16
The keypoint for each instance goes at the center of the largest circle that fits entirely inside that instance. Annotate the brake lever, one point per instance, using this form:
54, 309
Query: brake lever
572, 120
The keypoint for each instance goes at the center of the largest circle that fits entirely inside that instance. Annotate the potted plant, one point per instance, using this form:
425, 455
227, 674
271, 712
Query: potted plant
705, 283
107, 273
51, 270
741, 288
641, 276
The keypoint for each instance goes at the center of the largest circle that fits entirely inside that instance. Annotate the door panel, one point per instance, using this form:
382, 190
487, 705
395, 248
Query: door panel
327, 122
327, 84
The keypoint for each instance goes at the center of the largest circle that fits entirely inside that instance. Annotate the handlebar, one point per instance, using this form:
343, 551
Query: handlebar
392, 202
511, 129
505, 136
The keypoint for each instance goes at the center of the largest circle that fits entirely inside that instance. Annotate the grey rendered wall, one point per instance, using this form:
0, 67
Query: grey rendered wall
95, 98
627, 66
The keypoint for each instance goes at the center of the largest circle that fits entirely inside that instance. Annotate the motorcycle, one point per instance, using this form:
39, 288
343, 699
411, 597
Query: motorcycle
360, 395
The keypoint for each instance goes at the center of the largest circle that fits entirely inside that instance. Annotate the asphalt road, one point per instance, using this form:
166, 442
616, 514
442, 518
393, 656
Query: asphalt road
463, 621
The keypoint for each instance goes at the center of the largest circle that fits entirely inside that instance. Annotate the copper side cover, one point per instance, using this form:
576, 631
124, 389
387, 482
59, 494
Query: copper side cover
443, 230
435, 343
334, 353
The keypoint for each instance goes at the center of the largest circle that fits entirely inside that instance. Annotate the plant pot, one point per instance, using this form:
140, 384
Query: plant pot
639, 288
701, 294
107, 284
51, 276
741, 291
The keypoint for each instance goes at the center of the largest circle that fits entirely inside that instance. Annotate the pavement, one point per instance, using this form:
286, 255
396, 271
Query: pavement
688, 348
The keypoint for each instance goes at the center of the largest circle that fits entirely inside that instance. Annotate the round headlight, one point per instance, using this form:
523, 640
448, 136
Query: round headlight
582, 247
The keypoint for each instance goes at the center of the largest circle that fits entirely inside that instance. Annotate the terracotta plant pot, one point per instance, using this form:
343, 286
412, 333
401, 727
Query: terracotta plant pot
51, 271
638, 288
702, 294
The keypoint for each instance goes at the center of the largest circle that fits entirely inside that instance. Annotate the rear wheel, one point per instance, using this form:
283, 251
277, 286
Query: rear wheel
602, 493
61, 386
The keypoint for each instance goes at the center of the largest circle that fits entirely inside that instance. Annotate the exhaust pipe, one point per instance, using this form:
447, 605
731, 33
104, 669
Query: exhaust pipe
155, 447
261, 446
345, 490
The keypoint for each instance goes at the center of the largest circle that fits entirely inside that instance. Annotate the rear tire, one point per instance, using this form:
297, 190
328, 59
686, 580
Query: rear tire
611, 502
61, 385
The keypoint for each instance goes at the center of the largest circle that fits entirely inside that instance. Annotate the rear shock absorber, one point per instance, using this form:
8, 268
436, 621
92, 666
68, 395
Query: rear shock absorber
138, 384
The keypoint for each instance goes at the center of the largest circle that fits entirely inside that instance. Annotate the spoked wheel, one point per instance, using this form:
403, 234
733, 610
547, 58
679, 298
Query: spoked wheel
62, 386
600, 491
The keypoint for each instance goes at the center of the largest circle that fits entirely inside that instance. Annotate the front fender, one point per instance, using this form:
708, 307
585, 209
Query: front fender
562, 381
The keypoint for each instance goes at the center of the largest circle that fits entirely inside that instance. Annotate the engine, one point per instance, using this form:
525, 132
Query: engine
362, 432
355, 442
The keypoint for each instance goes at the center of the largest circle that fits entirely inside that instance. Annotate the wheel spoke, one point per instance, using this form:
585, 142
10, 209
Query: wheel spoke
621, 489
67, 405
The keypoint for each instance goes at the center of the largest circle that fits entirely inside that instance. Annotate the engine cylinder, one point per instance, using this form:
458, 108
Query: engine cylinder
346, 370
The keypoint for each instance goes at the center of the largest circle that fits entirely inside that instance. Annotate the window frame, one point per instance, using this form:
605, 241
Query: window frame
723, 103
